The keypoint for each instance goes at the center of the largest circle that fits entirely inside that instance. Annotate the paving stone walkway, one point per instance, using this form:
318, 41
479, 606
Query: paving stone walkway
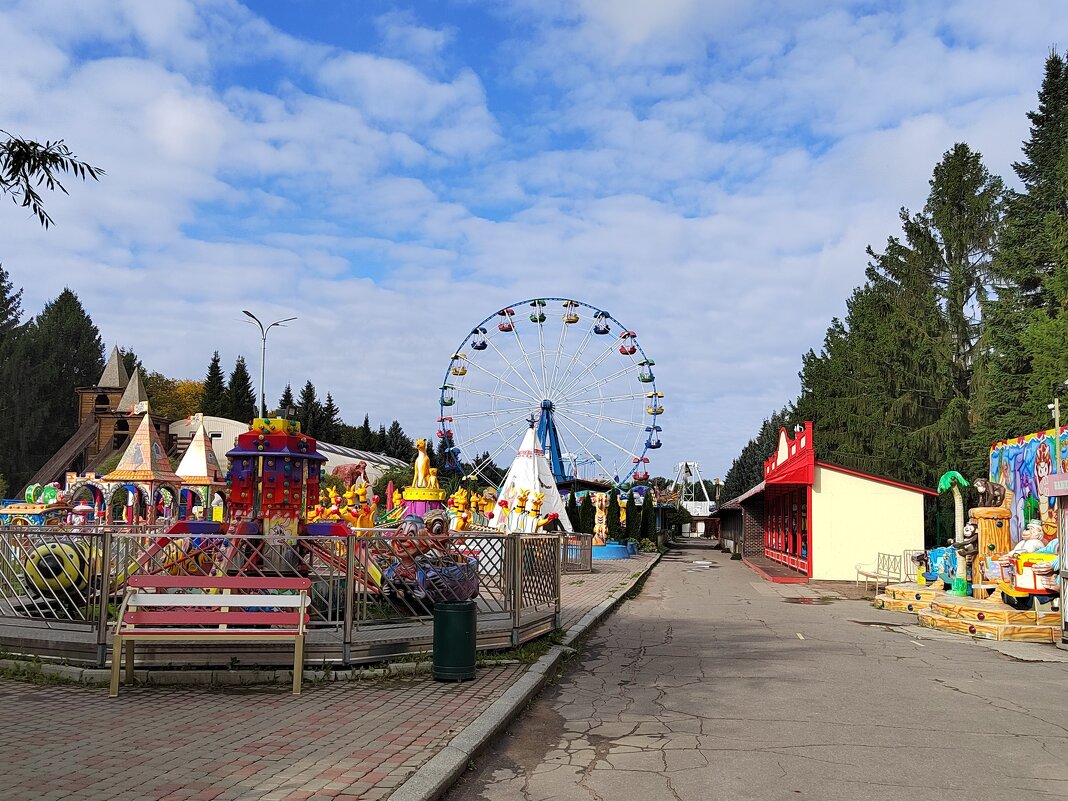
343, 741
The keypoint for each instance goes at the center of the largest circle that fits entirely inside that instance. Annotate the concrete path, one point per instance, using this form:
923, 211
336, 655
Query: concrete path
713, 684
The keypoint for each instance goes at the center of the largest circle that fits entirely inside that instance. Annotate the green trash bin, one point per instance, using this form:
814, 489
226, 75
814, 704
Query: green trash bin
454, 641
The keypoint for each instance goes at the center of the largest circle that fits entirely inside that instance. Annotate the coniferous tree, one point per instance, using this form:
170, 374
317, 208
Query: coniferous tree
286, 401
633, 520
380, 441
1023, 321
57, 372
573, 512
10, 310
213, 402
364, 435
130, 361
587, 515
612, 514
10, 329
309, 411
240, 396
647, 523
330, 420
398, 444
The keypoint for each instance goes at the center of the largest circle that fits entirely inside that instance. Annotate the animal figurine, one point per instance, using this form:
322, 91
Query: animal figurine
534, 505
990, 493
398, 499
520, 503
361, 493
432, 478
600, 519
351, 473
421, 478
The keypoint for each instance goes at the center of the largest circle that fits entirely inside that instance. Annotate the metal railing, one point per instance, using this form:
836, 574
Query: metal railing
577, 553
367, 581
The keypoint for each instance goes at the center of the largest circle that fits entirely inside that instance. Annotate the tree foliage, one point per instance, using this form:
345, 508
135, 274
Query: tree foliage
240, 397
213, 401
26, 165
959, 335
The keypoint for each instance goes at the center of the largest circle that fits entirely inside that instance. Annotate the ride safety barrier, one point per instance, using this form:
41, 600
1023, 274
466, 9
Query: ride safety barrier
372, 592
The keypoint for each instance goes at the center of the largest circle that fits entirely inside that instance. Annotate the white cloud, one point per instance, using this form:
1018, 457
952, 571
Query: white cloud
709, 172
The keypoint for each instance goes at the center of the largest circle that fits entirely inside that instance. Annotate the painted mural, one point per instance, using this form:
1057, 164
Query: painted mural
1019, 464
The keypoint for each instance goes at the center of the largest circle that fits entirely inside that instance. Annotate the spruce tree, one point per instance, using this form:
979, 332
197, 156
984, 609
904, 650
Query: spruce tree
286, 401
380, 441
240, 396
309, 411
587, 515
10, 330
130, 361
573, 512
633, 521
63, 351
647, 524
364, 435
398, 444
612, 514
1023, 321
10, 311
213, 403
330, 420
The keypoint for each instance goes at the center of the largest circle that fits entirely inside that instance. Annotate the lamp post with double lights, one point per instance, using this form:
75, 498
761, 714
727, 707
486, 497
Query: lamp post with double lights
263, 351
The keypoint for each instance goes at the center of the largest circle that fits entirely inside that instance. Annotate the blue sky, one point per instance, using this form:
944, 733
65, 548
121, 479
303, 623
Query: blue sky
711, 172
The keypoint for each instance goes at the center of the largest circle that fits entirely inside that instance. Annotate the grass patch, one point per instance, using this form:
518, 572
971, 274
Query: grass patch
529, 652
30, 671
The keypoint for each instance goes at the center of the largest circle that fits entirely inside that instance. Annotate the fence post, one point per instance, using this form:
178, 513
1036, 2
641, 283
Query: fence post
516, 548
103, 598
561, 545
350, 594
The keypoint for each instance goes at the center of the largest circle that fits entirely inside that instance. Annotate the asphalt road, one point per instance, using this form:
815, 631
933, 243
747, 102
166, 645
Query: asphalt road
712, 685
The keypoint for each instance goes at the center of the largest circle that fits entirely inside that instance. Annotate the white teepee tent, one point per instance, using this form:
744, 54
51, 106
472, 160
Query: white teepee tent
529, 472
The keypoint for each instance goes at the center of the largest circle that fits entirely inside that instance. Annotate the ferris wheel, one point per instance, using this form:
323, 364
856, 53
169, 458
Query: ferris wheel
568, 368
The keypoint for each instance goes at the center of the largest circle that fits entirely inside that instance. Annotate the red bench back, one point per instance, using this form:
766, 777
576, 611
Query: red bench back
164, 582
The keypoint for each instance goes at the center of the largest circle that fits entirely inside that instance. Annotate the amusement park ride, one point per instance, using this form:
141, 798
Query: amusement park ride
593, 394
690, 489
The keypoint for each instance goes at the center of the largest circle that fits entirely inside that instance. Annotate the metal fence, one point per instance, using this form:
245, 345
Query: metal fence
576, 553
368, 586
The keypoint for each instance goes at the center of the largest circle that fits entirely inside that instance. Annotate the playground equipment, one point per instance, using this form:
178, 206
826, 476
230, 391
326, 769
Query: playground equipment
593, 400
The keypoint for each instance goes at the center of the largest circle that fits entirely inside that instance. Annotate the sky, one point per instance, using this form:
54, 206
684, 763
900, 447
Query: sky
709, 171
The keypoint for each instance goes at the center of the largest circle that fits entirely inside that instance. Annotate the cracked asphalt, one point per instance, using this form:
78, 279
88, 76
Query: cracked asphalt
712, 684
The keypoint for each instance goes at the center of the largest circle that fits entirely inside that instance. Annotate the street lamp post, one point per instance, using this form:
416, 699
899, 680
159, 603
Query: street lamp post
263, 352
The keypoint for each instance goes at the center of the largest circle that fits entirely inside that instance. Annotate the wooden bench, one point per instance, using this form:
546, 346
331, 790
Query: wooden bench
202, 608
887, 568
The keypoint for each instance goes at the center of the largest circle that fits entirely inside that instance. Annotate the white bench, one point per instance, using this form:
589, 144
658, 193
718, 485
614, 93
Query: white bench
887, 568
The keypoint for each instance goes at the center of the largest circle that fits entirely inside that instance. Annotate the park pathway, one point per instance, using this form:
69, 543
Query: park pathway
713, 684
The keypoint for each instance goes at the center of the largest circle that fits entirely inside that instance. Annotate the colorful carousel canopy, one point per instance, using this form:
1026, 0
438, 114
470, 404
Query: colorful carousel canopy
145, 461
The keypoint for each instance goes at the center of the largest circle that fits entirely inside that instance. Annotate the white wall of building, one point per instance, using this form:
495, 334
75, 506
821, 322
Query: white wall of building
854, 519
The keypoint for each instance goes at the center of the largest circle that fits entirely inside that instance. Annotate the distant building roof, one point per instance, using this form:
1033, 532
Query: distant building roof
366, 456
114, 375
134, 394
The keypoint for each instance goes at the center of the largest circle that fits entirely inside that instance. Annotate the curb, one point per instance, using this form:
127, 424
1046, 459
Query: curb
96, 677
774, 579
438, 774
